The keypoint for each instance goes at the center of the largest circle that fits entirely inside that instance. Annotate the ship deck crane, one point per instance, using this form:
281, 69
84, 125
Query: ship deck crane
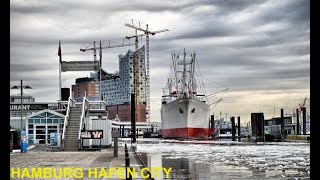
108, 45
147, 32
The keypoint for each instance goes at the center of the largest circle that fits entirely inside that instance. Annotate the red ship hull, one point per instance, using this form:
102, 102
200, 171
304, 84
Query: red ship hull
186, 133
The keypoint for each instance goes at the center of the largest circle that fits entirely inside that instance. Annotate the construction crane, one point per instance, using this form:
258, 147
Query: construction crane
108, 45
303, 104
147, 32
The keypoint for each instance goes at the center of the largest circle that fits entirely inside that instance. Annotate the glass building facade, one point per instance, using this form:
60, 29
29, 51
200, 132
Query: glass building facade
41, 124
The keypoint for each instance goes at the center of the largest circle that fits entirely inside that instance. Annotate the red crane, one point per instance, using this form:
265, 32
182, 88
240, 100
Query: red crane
303, 104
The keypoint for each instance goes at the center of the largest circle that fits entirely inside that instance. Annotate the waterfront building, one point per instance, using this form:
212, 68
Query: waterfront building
25, 98
117, 87
85, 87
29, 107
39, 126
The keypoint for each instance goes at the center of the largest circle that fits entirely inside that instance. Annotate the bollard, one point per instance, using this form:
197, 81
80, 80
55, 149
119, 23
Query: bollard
127, 164
127, 161
125, 147
126, 154
128, 176
115, 147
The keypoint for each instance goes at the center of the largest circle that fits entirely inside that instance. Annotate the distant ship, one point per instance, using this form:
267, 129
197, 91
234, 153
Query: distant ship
184, 113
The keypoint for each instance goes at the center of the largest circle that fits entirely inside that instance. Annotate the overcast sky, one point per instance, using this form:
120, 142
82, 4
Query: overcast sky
258, 49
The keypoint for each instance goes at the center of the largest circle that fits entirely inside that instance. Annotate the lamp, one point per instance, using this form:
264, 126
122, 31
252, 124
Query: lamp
21, 109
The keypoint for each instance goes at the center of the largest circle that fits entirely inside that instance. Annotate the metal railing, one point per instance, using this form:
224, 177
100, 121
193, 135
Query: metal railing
85, 105
71, 103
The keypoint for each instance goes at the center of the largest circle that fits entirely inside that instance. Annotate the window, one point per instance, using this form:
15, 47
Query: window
40, 131
40, 137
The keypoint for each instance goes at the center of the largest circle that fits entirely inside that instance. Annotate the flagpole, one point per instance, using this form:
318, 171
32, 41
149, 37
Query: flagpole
59, 81
100, 54
59, 76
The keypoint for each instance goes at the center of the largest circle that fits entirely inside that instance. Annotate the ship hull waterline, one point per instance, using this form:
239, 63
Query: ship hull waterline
185, 118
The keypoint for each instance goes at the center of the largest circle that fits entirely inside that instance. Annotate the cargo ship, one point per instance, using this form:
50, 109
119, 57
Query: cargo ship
185, 112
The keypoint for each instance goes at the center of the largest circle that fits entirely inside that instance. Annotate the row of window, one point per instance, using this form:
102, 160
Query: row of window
45, 121
18, 113
23, 100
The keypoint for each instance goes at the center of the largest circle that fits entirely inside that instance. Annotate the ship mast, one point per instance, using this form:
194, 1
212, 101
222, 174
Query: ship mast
184, 73
193, 83
175, 73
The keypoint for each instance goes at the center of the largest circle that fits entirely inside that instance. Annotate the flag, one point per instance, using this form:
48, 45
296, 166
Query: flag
59, 53
100, 54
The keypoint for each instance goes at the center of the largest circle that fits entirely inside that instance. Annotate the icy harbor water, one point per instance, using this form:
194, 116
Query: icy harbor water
225, 161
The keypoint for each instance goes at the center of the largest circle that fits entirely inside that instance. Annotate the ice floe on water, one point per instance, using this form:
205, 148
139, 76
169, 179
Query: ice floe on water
275, 157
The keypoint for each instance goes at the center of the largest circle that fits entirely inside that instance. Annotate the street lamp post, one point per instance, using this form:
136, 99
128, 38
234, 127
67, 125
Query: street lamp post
21, 108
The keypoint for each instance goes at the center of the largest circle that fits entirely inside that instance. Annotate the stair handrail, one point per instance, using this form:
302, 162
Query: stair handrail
85, 106
71, 103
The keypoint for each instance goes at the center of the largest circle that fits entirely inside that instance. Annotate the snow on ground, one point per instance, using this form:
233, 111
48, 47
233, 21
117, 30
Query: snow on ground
19, 150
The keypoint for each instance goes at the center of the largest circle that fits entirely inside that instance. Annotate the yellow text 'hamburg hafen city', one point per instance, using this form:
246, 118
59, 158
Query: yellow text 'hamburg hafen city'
78, 172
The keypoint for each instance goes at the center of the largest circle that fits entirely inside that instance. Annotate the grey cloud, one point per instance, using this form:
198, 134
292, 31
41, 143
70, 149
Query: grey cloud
267, 52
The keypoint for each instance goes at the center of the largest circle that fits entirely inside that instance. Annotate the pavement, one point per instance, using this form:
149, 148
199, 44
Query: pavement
38, 156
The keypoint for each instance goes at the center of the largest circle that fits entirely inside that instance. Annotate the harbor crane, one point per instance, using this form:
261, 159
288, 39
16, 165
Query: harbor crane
105, 46
147, 33
303, 104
